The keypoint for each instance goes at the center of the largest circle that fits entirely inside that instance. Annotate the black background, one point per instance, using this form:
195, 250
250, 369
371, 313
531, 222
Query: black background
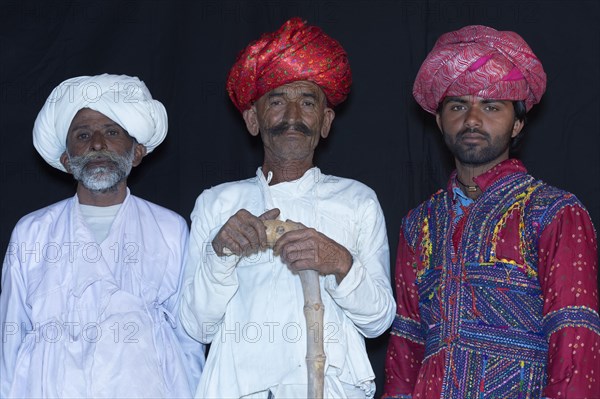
184, 49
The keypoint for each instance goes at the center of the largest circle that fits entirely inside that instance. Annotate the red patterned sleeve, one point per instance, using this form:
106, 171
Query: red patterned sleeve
568, 272
406, 346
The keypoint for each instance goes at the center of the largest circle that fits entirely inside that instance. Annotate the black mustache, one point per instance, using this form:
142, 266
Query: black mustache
472, 130
283, 126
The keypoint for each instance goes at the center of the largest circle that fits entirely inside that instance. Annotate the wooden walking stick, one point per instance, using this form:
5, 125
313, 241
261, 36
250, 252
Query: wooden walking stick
313, 314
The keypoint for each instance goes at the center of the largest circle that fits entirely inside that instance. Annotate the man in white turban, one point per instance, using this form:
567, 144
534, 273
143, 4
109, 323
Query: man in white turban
90, 285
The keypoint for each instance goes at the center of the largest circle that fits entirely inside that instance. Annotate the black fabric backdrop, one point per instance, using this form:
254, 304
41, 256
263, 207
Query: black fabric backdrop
184, 49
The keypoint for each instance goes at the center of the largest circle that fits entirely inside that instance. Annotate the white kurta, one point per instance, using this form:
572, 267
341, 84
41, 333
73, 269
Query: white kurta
250, 309
81, 319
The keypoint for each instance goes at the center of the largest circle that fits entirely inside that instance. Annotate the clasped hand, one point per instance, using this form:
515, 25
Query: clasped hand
244, 234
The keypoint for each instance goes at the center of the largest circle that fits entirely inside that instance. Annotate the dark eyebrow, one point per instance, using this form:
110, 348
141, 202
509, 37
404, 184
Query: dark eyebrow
455, 99
491, 100
483, 101
280, 94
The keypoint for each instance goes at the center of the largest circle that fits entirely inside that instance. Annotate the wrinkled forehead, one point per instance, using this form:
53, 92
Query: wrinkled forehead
89, 116
301, 88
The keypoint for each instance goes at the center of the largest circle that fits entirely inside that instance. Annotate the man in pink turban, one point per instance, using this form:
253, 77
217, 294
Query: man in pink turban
496, 274
246, 299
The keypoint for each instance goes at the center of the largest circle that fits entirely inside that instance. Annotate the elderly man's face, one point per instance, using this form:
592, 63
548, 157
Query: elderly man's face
100, 153
291, 119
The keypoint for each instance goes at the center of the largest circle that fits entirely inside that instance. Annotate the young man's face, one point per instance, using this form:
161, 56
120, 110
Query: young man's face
478, 130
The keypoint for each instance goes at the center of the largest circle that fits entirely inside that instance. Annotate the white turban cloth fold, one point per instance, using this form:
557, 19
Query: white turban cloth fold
124, 99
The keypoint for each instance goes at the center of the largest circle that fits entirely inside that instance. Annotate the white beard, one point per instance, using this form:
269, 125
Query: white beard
101, 178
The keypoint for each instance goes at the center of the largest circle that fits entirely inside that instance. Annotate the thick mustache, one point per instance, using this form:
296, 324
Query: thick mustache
84, 160
100, 155
283, 126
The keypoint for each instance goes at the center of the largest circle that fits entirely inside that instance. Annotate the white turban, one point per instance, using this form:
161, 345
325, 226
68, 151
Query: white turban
124, 99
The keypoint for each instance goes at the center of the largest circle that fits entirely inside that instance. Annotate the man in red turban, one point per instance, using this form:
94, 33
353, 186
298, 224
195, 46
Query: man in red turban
496, 274
245, 298
295, 52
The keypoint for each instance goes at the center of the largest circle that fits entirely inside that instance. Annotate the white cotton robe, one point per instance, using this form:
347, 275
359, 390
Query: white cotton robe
251, 309
81, 319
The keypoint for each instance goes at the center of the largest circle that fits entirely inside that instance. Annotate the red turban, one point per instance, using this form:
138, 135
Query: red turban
294, 52
480, 61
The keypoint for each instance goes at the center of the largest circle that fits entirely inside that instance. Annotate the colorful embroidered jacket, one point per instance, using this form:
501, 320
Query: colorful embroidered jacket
498, 297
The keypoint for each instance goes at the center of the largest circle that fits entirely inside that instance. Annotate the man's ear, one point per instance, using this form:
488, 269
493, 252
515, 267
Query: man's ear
328, 117
438, 120
64, 160
139, 153
251, 119
517, 127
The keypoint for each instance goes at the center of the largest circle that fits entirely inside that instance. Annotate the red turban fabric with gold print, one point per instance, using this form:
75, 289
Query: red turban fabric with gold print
294, 52
480, 61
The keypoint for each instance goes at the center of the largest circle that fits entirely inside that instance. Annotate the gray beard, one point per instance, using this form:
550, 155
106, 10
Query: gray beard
101, 178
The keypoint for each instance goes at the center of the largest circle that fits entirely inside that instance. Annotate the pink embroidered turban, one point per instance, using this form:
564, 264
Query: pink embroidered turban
480, 61
295, 52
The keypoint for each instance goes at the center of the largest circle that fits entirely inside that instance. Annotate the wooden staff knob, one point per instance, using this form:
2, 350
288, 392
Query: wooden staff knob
277, 228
